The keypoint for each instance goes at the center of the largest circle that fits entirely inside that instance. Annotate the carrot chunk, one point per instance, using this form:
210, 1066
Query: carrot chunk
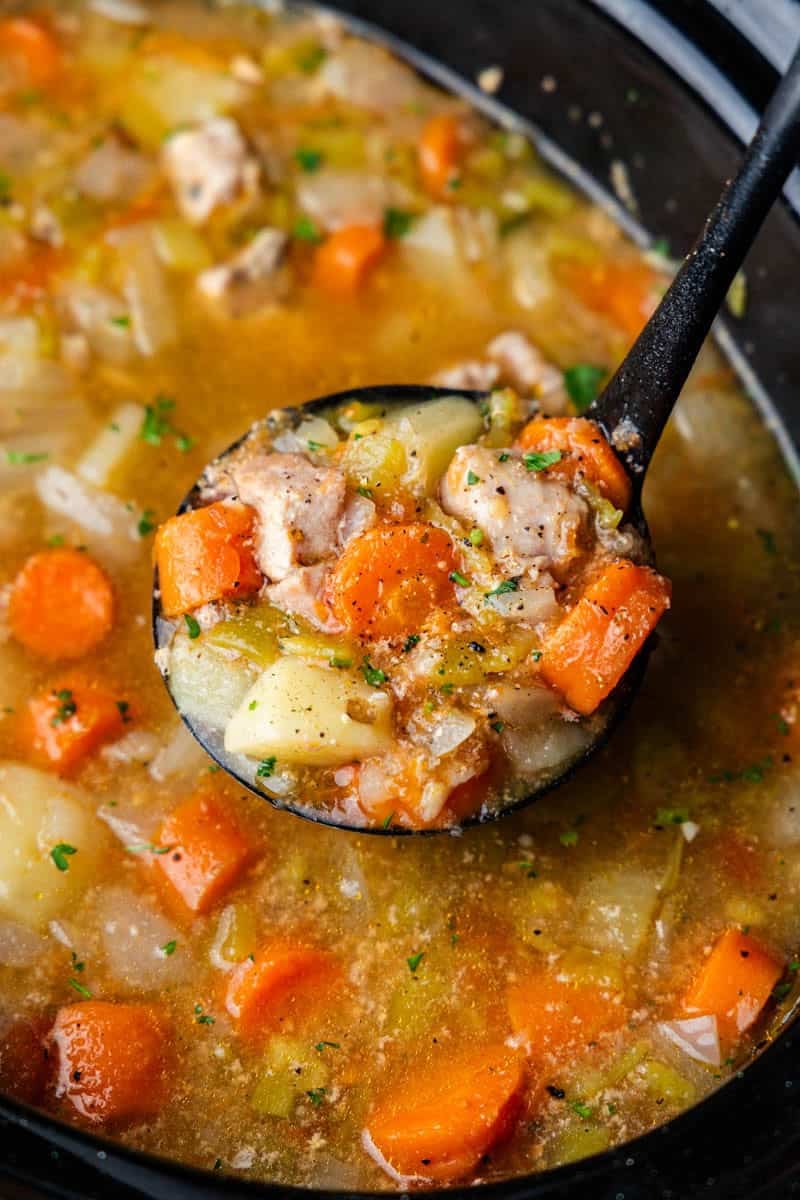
280, 979
61, 604
111, 1060
592, 648
345, 259
441, 1121
441, 149
559, 1018
32, 52
584, 451
734, 983
622, 291
389, 579
206, 554
207, 852
23, 1060
71, 718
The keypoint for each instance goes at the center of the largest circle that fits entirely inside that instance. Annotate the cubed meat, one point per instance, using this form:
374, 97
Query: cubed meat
209, 166
255, 277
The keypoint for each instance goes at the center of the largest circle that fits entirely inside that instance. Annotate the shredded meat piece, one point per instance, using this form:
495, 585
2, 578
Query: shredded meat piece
301, 594
254, 278
530, 520
209, 166
299, 507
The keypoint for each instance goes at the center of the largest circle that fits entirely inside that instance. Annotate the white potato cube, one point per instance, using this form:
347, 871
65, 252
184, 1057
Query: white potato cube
310, 715
431, 433
39, 812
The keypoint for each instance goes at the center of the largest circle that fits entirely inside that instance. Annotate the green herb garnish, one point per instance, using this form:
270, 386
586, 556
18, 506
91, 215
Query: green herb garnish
672, 816
536, 461
476, 537
192, 626
457, 577
66, 707
266, 767
502, 589
472, 478
308, 160
202, 1018
583, 384
60, 855
24, 458
569, 838
411, 641
80, 989
320, 1046
316, 1096
306, 230
373, 675
414, 961
397, 223
146, 523
583, 1110
169, 948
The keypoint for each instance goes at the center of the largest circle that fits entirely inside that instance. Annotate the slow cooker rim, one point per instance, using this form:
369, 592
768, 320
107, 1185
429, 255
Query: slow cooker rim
695, 72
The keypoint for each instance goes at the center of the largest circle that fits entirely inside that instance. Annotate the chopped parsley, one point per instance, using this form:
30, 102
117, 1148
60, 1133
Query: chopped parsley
782, 990
121, 322
61, 853
387, 821
146, 523
316, 1096
672, 816
528, 867
411, 641
397, 223
306, 230
169, 948
498, 726
504, 456
184, 442
373, 675
536, 655
540, 461
502, 589
66, 707
192, 626
341, 663
476, 537
583, 1110
266, 767
472, 478
364, 491
24, 458
310, 59
252, 706
569, 838
767, 538
76, 966
583, 384
782, 724
308, 160
202, 1018
56, 540
156, 423
414, 961
320, 1046
148, 848
78, 987
661, 246
457, 577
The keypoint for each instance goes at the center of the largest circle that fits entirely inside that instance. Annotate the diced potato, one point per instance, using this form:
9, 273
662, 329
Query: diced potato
292, 1068
180, 247
254, 634
587, 967
418, 1001
376, 461
115, 440
310, 715
207, 683
431, 433
39, 812
316, 433
164, 94
664, 1083
619, 909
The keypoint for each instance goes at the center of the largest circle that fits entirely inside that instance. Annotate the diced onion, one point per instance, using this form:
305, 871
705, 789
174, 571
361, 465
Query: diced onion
182, 756
698, 1037
133, 936
146, 290
124, 12
102, 457
108, 525
449, 733
138, 746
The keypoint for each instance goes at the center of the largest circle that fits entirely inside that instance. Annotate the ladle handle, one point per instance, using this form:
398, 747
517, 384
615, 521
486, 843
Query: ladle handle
640, 397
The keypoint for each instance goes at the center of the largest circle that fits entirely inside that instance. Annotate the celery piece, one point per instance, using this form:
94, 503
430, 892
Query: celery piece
664, 1083
291, 1068
180, 247
579, 1141
253, 634
375, 462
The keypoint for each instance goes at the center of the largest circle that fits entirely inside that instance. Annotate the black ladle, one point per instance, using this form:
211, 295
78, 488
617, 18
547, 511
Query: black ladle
632, 410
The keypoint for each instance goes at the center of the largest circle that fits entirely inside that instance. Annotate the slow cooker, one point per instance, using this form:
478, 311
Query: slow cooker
665, 92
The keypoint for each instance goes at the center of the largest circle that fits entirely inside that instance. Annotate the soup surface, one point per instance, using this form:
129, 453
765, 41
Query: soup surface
207, 214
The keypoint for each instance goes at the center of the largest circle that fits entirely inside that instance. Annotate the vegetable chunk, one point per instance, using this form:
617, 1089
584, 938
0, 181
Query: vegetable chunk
280, 979
207, 852
206, 554
30, 50
447, 1115
308, 714
584, 451
441, 149
111, 1060
735, 983
595, 644
61, 604
343, 262
391, 578
558, 1017
71, 718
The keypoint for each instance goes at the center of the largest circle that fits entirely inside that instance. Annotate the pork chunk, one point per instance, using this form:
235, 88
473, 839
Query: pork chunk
530, 520
209, 166
522, 365
302, 594
252, 279
113, 172
299, 507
